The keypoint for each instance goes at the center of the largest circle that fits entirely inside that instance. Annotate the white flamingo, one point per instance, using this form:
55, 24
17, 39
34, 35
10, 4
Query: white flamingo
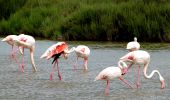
26, 41
142, 57
81, 51
112, 72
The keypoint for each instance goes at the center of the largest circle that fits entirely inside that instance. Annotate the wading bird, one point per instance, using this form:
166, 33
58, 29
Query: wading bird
112, 72
55, 51
134, 45
26, 41
141, 57
81, 51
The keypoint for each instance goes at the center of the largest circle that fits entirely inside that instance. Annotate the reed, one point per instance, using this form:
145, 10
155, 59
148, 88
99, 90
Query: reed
99, 20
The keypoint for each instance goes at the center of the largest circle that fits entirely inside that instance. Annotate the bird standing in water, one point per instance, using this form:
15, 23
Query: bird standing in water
55, 51
141, 57
81, 51
26, 41
112, 72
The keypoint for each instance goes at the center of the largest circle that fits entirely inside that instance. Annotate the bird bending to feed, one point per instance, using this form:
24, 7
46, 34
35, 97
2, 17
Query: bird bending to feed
81, 51
9, 40
141, 57
55, 51
26, 41
112, 72
134, 45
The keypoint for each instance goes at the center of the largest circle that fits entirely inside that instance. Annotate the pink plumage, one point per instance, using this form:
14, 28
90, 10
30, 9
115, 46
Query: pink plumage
141, 57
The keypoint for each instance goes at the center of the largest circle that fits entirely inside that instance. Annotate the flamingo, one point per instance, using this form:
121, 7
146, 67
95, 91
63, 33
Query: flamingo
55, 51
26, 41
81, 51
9, 40
142, 57
112, 72
134, 45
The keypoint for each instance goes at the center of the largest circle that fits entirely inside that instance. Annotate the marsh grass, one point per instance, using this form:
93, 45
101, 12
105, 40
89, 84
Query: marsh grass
92, 20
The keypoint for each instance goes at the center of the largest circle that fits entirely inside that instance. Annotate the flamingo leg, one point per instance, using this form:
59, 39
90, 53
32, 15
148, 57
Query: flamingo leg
138, 77
13, 51
129, 67
17, 63
107, 88
126, 82
85, 63
75, 64
22, 65
13, 56
59, 75
52, 73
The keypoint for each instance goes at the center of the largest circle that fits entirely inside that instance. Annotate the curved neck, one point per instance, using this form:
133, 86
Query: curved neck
152, 73
71, 50
122, 64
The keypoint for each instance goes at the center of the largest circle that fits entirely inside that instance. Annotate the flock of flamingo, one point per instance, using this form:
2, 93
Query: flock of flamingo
60, 49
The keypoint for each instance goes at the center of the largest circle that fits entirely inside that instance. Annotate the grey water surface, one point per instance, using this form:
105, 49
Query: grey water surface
78, 84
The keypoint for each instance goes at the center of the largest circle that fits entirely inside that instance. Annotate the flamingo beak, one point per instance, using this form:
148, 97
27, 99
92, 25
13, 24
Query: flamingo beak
43, 56
3, 40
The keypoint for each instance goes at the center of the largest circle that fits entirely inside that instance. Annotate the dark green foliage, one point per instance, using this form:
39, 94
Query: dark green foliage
10, 6
101, 20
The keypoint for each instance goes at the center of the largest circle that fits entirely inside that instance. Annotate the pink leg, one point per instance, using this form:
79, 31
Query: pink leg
22, 65
13, 51
18, 63
125, 82
59, 75
75, 64
13, 56
129, 66
52, 73
85, 64
138, 78
107, 88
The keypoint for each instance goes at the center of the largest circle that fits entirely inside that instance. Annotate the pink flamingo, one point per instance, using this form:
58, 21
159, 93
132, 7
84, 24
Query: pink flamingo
134, 45
81, 51
55, 51
142, 57
112, 72
26, 41
9, 40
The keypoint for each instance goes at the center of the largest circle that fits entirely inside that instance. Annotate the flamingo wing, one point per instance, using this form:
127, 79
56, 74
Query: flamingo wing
55, 50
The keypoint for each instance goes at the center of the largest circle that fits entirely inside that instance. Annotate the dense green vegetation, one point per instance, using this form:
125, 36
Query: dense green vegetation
101, 20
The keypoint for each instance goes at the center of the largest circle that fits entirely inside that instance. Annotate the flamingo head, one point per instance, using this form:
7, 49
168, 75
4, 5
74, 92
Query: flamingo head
9, 38
67, 52
135, 39
47, 54
162, 82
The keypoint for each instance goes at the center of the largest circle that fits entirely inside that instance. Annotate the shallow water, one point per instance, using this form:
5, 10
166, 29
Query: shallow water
77, 84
